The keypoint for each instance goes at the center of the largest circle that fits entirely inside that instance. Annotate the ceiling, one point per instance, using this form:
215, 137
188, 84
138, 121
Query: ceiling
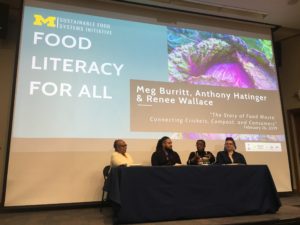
285, 13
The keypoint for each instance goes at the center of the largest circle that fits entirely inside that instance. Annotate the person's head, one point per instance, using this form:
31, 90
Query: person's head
120, 146
229, 144
165, 143
200, 144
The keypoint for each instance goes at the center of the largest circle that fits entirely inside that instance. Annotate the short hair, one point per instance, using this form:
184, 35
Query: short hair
116, 143
231, 139
201, 140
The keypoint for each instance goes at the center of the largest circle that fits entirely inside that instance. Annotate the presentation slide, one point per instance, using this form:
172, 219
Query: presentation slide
86, 80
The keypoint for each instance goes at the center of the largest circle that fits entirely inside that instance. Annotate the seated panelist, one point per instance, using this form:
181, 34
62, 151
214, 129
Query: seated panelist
164, 154
229, 155
201, 156
120, 157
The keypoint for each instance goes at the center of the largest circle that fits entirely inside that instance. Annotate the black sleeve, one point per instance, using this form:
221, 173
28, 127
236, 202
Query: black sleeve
243, 160
178, 160
220, 159
190, 161
212, 158
154, 159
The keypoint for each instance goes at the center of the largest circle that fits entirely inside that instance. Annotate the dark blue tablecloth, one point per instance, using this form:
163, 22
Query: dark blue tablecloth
144, 194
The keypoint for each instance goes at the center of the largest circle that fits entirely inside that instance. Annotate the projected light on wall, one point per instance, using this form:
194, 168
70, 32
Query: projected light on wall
84, 80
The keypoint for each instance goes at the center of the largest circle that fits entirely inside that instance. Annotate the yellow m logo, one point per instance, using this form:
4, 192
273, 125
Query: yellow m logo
40, 20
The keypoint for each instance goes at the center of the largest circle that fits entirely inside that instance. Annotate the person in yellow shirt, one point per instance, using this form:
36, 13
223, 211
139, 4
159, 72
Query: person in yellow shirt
120, 157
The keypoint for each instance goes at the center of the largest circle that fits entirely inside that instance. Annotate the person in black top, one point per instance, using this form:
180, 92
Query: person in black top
164, 154
229, 155
200, 156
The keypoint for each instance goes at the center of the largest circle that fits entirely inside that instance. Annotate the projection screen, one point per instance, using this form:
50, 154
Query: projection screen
86, 77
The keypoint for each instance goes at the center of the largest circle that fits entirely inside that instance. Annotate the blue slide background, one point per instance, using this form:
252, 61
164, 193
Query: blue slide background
140, 47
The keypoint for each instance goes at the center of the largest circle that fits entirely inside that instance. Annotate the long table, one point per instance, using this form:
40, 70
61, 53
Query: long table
144, 194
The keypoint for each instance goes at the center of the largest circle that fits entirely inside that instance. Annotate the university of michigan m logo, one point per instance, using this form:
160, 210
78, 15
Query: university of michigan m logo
40, 20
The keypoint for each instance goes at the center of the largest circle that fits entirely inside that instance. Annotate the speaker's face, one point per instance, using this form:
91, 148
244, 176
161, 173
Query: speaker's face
200, 145
229, 145
167, 144
121, 146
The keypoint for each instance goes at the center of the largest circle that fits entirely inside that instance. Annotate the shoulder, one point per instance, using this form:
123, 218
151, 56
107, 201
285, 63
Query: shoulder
155, 154
239, 154
174, 152
221, 152
192, 154
114, 154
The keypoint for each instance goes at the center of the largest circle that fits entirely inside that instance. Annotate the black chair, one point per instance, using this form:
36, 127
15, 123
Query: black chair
106, 170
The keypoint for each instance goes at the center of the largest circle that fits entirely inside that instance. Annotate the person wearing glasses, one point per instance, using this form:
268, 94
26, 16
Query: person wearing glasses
229, 154
120, 157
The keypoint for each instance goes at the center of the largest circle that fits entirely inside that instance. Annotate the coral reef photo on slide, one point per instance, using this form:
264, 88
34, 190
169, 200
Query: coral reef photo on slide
206, 58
